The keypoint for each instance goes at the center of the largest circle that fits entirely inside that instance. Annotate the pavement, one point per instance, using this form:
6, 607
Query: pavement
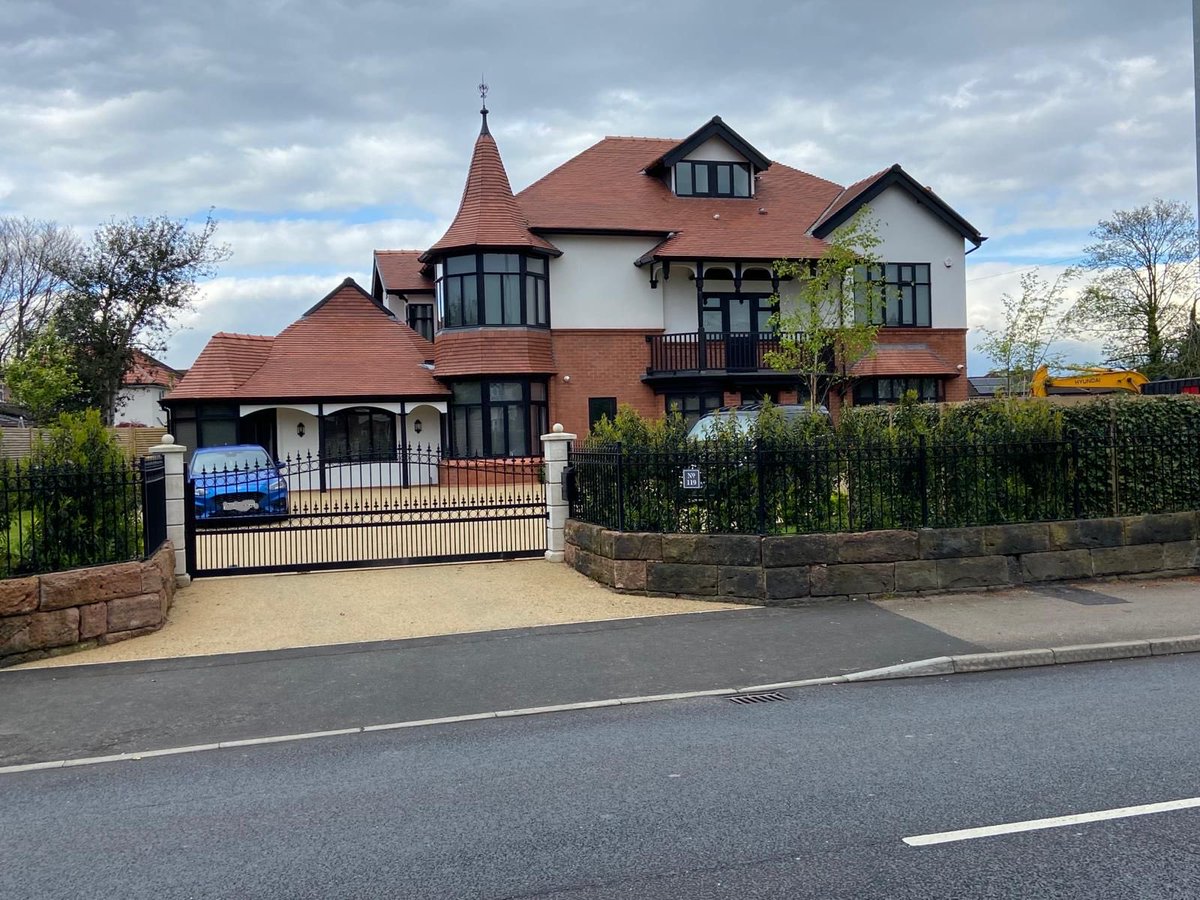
75, 712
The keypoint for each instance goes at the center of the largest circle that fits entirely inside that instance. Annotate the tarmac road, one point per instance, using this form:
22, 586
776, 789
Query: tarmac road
809, 797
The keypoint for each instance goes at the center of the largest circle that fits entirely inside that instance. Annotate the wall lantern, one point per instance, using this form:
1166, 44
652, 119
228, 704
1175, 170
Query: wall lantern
417, 425
300, 429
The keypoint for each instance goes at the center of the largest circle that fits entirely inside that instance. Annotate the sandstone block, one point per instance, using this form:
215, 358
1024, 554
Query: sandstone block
950, 543
598, 568
976, 571
1084, 534
744, 582
1056, 565
636, 545
681, 578
917, 575
852, 580
79, 587
53, 629
799, 550
877, 546
1160, 529
93, 620
1127, 560
629, 574
126, 613
1181, 555
1008, 539
712, 549
18, 595
786, 583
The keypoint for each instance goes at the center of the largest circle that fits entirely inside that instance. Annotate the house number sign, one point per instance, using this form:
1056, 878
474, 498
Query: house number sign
691, 478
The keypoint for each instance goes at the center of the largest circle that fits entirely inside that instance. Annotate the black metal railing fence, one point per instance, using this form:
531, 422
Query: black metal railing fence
837, 486
61, 516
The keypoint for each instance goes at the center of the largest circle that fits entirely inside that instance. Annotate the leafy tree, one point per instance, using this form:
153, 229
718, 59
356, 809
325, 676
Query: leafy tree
33, 255
1186, 362
1033, 321
43, 379
1138, 301
833, 321
124, 291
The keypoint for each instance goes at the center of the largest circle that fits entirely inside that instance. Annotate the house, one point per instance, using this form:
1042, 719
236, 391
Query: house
345, 382
638, 272
142, 389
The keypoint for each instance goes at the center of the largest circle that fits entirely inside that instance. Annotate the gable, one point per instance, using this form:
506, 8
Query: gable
716, 150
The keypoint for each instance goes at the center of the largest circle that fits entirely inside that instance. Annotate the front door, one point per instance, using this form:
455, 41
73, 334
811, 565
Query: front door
259, 428
737, 320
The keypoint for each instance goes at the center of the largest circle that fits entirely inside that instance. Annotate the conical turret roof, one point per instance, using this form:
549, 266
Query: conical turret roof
489, 215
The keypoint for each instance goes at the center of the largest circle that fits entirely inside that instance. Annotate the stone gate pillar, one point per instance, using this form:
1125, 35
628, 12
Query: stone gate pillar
554, 452
172, 455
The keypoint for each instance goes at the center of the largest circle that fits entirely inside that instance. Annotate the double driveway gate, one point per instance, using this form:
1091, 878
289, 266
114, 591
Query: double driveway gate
304, 514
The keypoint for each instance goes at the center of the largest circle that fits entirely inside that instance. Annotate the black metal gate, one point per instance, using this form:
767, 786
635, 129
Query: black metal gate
308, 513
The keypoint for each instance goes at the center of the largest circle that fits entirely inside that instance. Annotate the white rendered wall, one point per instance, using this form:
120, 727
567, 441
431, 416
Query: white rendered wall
715, 150
595, 283
139, 403
913, 234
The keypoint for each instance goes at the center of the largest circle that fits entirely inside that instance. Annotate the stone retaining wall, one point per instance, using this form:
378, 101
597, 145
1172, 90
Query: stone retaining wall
46, 615
791, 569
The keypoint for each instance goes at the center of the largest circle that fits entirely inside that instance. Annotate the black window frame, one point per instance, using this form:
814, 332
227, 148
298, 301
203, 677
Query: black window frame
381, 448
761, 311
901, 283
706, 402
888, 390
419, 317
533, 411
713, 170
599, 407
532, 300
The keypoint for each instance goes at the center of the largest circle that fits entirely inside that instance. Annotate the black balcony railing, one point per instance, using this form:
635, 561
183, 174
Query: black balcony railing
735, 351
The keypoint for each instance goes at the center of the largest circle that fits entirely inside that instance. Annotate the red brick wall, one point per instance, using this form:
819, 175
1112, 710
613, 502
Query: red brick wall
600, 363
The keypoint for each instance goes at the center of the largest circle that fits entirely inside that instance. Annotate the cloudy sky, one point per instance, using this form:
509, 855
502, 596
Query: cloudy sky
321, 130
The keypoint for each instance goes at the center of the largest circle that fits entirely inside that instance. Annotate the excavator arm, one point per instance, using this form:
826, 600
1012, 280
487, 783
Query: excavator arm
1106, 379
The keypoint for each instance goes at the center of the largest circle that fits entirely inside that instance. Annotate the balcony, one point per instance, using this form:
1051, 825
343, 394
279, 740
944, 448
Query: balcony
700, 353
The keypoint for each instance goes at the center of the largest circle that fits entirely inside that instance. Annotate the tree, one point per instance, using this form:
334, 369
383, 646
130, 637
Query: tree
1138, 301
1033, 321
123, 293
43, 379
835, 316
1186, 361
33, 256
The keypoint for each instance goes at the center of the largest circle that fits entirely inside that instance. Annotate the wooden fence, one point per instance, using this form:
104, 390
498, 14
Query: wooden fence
17, 443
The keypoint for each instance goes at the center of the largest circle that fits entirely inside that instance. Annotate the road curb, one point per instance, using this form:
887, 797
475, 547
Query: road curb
921, 668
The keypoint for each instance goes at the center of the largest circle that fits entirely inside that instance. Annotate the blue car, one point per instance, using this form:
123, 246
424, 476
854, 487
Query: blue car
239, 481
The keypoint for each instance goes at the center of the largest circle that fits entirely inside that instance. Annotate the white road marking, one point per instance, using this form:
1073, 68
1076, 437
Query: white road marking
1125, 812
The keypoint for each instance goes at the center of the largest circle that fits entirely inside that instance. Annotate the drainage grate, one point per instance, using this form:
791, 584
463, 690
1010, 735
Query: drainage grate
747, 699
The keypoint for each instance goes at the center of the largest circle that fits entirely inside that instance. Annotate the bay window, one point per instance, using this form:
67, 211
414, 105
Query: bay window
498, 417
494, 289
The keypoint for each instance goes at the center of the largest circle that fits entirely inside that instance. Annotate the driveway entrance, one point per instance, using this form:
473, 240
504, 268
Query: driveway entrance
307, 514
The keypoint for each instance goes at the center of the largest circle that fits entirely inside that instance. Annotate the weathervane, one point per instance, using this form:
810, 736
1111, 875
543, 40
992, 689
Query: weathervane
483, 92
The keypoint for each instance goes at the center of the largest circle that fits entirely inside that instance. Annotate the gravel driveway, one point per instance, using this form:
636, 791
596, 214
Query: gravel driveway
270, 612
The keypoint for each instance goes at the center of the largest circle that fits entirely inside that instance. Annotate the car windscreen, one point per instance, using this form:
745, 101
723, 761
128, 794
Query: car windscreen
229, 459
709, 426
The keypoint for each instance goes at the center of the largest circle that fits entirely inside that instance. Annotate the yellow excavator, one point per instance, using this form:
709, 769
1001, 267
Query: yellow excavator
1091, 379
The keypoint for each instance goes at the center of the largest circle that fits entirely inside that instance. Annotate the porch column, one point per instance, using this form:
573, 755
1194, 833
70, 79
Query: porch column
172, 454
554, 454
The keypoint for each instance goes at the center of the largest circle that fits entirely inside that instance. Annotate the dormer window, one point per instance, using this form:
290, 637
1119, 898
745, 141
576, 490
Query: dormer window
712, 179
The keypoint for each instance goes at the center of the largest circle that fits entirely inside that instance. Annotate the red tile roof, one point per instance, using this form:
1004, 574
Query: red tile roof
148, 370
347, 346
402, 271
849, 194
494, 351
226, 361
489, 215
902, 359
606, 188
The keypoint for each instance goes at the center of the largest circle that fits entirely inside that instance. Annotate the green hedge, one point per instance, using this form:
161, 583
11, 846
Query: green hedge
911, 465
